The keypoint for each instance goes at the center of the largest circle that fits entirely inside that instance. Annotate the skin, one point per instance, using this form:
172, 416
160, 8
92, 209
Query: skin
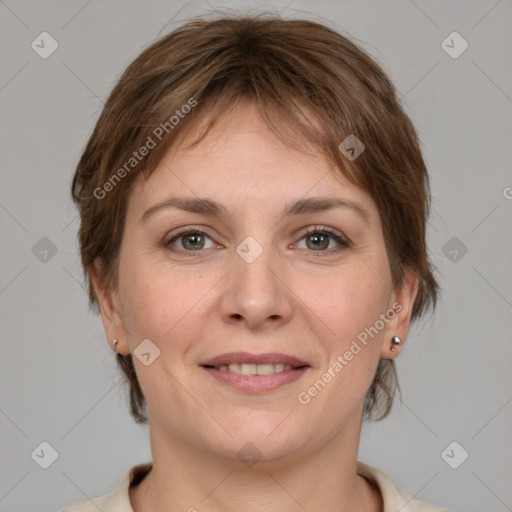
294, 299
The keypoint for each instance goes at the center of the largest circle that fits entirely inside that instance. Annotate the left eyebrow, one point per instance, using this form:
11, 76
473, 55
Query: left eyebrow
207, 206
322, 204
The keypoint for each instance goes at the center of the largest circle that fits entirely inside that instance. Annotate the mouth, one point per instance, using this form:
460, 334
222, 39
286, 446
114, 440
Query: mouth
255, 373
254, 369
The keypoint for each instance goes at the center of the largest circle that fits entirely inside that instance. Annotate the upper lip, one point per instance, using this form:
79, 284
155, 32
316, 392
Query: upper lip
246, 357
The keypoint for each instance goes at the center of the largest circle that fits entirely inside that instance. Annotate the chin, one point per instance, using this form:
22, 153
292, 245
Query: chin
259, 438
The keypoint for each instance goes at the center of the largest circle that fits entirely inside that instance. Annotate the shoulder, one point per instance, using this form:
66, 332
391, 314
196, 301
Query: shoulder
393, 499
119, 499
101, 503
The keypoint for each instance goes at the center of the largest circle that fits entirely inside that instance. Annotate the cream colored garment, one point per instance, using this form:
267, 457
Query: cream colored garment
119, 501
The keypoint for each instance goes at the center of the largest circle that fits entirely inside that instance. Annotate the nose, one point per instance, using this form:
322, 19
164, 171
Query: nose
257, 293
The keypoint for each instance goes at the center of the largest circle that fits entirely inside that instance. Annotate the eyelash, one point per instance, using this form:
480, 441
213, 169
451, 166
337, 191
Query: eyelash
344, 243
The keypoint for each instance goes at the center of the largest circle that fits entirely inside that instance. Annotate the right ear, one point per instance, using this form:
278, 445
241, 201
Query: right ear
110, 309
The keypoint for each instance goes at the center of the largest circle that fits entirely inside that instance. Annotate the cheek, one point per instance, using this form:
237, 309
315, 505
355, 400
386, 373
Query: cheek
163, 305
350, 300
350, 306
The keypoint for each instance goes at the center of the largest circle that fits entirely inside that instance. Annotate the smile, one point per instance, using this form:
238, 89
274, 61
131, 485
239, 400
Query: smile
255, 373
255, 369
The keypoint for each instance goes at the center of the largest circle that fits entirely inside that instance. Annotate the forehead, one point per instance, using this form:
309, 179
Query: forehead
241, 161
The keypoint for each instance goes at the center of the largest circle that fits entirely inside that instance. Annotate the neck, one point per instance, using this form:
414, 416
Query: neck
185, 478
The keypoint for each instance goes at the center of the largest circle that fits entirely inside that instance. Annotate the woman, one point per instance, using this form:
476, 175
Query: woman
253, 206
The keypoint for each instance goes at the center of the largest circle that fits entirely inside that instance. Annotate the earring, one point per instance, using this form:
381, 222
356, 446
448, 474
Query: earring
395, 342
115, 343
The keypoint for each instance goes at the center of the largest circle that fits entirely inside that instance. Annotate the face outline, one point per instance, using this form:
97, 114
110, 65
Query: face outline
291, 299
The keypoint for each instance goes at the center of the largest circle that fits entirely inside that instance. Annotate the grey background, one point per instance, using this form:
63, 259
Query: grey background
59, 383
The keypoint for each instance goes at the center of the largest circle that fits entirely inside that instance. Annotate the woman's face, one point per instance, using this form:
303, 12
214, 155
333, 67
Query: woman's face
258, 331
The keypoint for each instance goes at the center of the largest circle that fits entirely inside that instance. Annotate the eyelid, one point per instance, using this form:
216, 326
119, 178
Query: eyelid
331, 231
204, 229
176, 233
340, 238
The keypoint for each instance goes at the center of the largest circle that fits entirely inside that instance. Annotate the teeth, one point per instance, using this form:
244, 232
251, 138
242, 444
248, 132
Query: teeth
256, 369
265, 369
247, 369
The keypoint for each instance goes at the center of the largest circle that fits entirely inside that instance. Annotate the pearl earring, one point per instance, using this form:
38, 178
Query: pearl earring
395, 342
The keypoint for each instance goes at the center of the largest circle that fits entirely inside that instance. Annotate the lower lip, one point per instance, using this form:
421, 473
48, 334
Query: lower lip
257, 383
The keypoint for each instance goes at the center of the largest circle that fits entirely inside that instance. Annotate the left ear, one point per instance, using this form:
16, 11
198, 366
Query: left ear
402, 301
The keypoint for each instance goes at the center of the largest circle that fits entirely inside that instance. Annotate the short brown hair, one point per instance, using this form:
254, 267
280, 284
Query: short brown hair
302, 75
